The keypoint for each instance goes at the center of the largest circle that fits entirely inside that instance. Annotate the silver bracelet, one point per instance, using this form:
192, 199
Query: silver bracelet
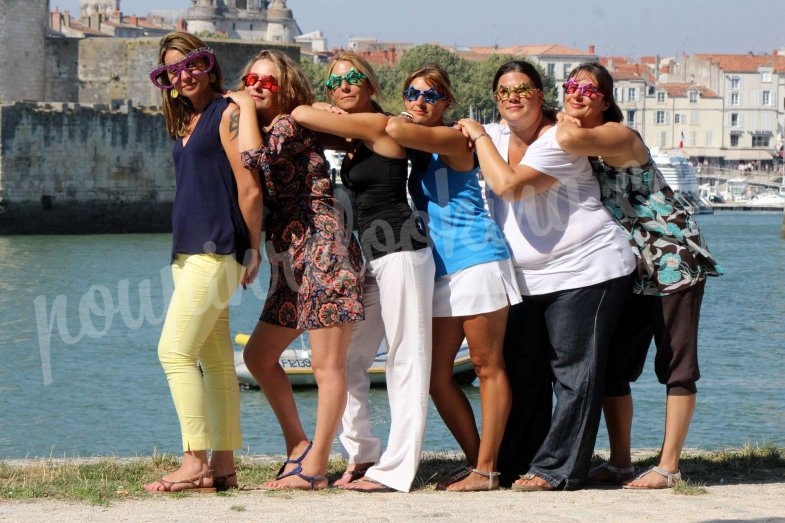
483, 134
408, 116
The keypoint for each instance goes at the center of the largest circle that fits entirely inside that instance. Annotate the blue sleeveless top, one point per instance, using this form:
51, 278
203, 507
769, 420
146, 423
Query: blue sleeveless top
460, 226
206, 215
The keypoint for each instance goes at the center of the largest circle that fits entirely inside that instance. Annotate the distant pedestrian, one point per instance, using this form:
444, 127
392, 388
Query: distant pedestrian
216, 228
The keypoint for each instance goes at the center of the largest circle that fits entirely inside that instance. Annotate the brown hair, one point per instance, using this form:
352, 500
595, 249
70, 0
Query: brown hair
293, 86
604, 85
436, 77
178, 111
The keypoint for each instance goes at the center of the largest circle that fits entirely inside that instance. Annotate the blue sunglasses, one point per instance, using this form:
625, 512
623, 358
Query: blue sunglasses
431, 96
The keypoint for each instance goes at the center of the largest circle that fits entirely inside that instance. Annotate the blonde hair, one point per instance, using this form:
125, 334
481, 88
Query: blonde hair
178, 111
293, 86
360, 65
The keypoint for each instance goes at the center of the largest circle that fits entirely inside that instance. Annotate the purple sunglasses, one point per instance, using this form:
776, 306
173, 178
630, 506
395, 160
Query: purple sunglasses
190, 62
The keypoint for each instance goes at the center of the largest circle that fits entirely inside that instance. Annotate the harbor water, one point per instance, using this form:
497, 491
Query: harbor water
80, 318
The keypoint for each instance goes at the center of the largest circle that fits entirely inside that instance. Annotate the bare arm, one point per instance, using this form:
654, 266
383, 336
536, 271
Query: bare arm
510, 183
448, 142
249, 192
368, 127
616, 143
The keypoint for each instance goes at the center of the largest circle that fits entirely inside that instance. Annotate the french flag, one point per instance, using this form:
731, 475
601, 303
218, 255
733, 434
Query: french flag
681, 142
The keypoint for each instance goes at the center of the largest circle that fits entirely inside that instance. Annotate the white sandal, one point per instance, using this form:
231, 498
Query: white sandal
672, 477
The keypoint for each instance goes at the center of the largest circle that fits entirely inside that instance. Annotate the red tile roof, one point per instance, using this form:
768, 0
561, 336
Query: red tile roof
743, 63
679, 90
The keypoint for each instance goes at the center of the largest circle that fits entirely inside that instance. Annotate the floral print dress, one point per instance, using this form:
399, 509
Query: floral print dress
672, 253
317, 271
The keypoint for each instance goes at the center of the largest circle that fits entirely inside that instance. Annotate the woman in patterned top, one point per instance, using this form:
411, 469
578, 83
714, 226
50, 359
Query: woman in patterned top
317, 270
674, 263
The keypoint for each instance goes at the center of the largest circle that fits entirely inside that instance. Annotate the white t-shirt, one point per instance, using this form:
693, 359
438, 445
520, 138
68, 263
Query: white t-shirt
562, 238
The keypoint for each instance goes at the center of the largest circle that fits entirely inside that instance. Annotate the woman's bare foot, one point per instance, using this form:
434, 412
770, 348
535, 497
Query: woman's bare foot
353, 472
476, 481
184, 478
654, 478
531, 483
297, 479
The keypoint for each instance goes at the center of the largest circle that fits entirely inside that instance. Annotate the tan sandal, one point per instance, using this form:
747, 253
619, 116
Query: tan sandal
492, 485
195, 484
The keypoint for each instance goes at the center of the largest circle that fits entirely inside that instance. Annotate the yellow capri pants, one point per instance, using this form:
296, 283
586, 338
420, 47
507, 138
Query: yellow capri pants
196, 330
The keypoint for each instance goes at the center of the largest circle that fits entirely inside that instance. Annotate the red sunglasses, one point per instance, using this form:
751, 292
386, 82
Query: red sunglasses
267, 82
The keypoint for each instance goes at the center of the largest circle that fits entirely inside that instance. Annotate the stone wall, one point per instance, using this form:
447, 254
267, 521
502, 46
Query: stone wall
23, 26
61, 80
70, 168
112, 69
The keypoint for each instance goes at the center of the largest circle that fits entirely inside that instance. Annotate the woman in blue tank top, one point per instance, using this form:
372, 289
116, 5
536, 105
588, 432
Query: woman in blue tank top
475, 282
216, 228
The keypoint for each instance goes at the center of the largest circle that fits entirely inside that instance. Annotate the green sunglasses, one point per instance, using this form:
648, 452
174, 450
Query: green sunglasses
352, 78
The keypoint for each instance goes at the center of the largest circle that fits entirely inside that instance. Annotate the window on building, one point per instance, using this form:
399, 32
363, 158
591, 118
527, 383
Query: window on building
765, 98
735, 120
660, 97
679, 118
693, 137
694, 117
631, 118
650, 90
551, 70
663, 137
709, 139
735, 82
566, 70
765, 76
693, 97
760, 140
616, 95
241, 4
734, 140
659, 117
632, 94
734, 98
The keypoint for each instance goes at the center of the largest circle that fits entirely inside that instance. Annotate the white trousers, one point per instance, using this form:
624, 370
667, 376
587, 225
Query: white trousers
398, 301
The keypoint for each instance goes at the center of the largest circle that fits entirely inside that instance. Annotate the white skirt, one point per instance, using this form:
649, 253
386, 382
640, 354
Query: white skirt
482, 288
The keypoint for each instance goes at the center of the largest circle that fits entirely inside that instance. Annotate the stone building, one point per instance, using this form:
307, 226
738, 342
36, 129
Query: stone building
244, 19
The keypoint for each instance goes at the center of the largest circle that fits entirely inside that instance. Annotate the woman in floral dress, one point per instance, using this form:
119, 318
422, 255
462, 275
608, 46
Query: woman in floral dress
674, 263
317, 269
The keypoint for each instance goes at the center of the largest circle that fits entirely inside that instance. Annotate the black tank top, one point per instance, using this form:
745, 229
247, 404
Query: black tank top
385, 219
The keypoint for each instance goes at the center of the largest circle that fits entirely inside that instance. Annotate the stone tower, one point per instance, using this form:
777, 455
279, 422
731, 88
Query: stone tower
23, 26
243, 19
98, 7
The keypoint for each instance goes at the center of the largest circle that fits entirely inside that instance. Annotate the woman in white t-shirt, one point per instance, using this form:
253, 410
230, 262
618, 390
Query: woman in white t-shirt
574, 268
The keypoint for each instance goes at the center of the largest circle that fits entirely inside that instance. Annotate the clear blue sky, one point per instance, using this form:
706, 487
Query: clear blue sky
620, 27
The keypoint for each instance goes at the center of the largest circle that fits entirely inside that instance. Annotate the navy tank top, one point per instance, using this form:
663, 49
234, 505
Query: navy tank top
206, 215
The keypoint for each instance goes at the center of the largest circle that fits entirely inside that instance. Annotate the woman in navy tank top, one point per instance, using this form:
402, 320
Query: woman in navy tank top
216, 229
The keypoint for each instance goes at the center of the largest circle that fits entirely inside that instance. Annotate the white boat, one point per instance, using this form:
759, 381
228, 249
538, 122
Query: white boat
297, 365
680, 176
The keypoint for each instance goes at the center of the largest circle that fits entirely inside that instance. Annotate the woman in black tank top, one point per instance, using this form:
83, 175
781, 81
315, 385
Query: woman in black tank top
398, 291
